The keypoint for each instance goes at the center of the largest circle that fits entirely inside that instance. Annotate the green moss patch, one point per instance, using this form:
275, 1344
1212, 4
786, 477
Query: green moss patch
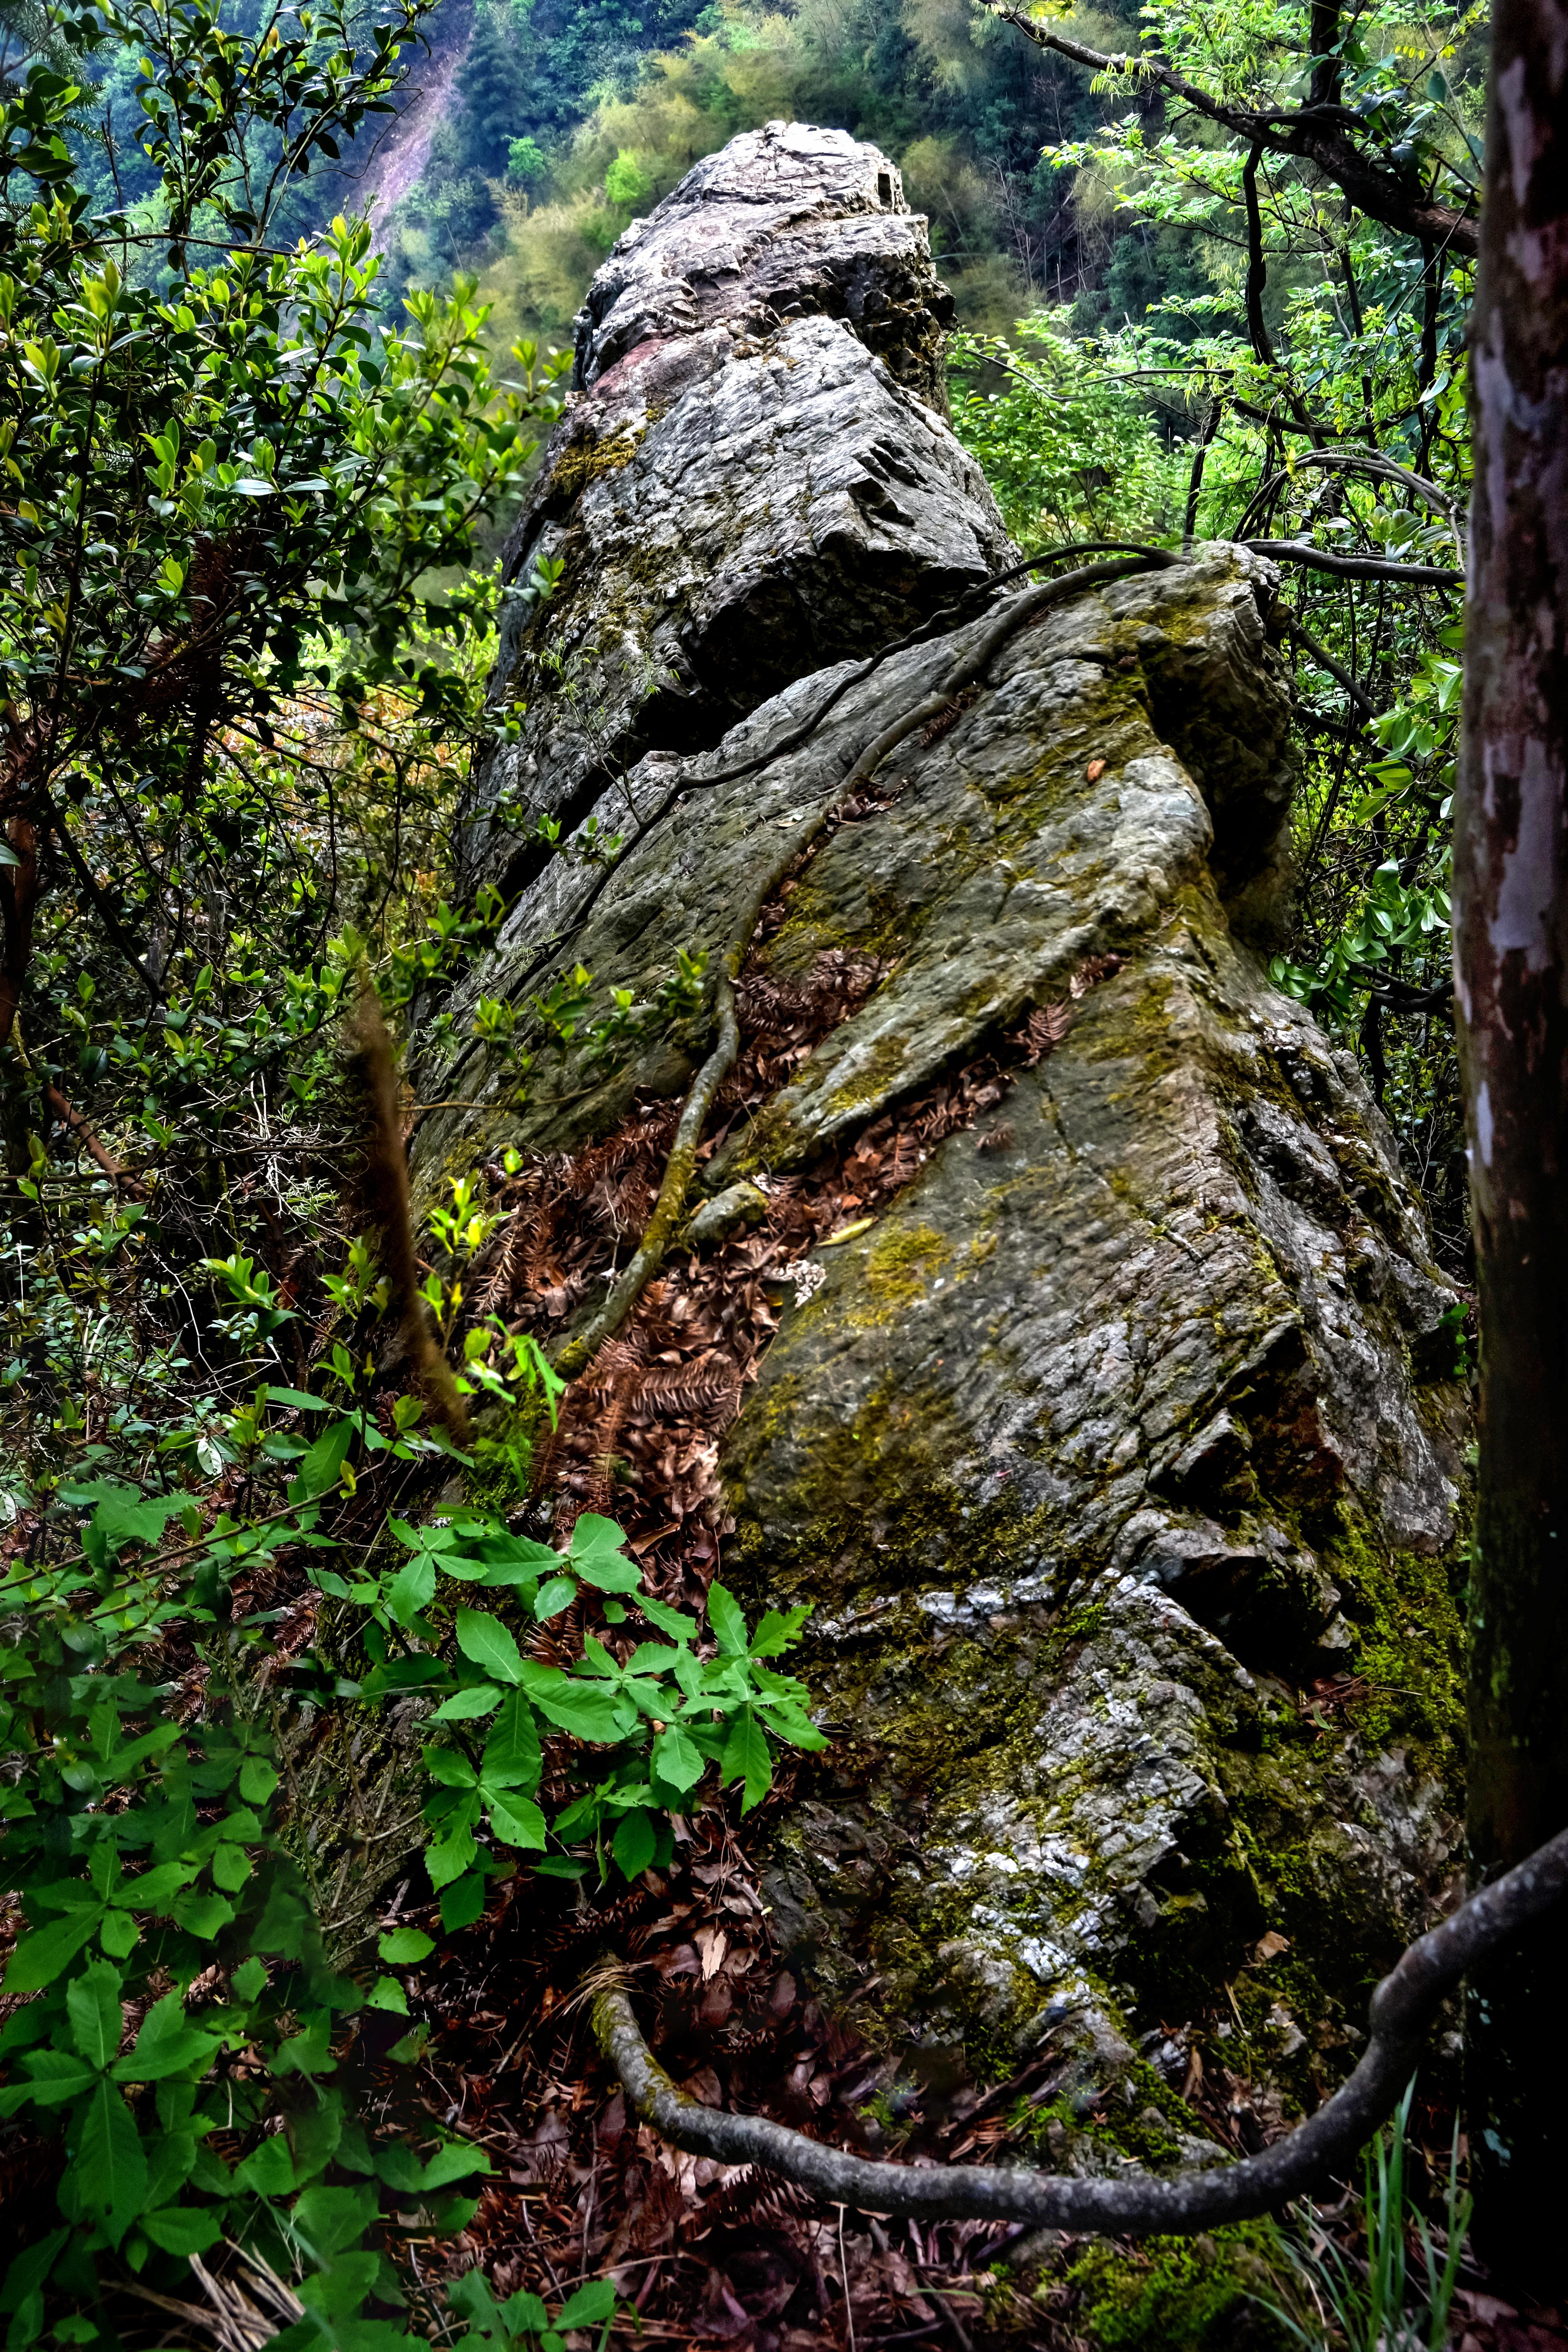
1181, 2294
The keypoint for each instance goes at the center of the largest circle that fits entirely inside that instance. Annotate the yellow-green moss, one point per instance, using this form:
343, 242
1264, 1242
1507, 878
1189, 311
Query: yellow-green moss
1181, 2294
899, 1265
584, 461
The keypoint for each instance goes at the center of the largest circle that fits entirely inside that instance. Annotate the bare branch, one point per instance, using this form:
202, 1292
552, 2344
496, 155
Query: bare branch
1324, 659
1356, 567
1319, 134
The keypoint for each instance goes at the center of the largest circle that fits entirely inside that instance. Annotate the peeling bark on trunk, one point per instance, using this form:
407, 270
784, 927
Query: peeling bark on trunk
1512, 978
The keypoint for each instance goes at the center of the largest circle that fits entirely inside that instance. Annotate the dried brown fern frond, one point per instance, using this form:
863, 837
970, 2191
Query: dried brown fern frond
498, 1289
639, 1139
749, 2195
950, 714
541, 1233
687, 1391
1043, 1031
609, 1972
1092, 971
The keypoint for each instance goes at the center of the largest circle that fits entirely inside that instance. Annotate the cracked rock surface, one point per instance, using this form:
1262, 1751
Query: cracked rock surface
1120, 1451
754, 476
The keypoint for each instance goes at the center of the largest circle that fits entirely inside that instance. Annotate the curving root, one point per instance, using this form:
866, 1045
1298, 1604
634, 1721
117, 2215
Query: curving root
1401, 2012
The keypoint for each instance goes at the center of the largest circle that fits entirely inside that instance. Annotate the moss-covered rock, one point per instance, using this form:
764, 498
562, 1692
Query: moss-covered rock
1123, 1425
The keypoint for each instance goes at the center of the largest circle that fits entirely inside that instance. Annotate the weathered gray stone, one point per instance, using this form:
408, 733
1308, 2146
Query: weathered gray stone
753, 477
1127, 1416
784, 222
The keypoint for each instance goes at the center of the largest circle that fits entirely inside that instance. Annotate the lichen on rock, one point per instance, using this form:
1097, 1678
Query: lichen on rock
1126, 1421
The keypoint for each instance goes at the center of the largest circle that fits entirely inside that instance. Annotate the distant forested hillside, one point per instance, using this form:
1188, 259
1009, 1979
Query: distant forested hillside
570, 117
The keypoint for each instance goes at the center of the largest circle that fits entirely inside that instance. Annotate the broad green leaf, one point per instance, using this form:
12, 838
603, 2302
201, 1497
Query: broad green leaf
777, 1632
788, 1722
318, 1468
122, 1763
400, 2167
675, 1760
153, 1889
511, 1759
449, 1768
728, 1625
517, 1820
387, 1993
300, 1398
455, 2160
746, 1758
184, 2228
593, 1532
68, 1894
171, 2159
55, 2076
464, 1706
231, 1867
597, 1555
202, 1914
124, 1515
590, 2306
39, 1958
463, 1902
268, 2169
471, 2297
559, 1593
447, 1858
635, 1843
314, 2132
30, 2269
673, 1621
651, 1658
258, 1778
412, 1589
511, 1559
489, 1644
92, 2001
571, 1704
331, 2218
110, 2163
608, 1573
167, 2044
525, 2314
404, 1946
310, 2052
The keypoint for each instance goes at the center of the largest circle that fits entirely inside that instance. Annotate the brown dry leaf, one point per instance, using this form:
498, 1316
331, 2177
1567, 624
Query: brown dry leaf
712, 1943
1269, 1946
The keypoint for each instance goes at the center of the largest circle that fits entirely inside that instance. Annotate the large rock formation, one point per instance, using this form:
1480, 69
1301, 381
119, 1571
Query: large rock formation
752, 476
1114, 1434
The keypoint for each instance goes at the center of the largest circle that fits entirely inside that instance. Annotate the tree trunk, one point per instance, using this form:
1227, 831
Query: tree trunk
1511, 977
